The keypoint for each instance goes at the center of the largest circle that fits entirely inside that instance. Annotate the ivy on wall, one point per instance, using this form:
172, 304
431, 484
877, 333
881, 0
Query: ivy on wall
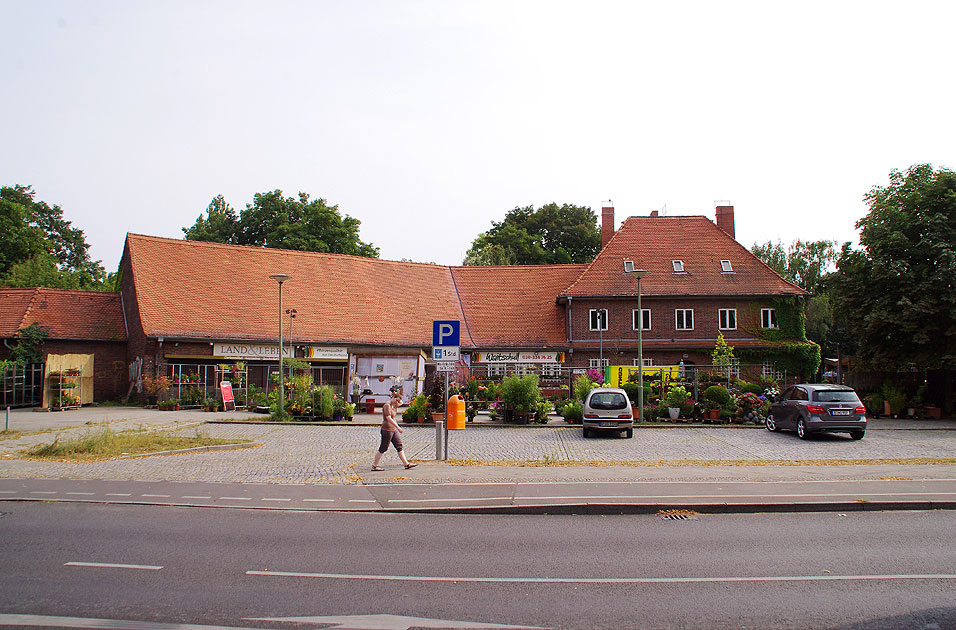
793, 358
791, 352
791, 320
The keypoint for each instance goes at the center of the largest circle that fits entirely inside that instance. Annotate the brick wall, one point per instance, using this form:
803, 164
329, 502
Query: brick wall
110, 372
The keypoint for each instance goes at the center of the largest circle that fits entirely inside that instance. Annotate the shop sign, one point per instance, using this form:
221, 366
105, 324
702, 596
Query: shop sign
250, 351
327, 353
519, 357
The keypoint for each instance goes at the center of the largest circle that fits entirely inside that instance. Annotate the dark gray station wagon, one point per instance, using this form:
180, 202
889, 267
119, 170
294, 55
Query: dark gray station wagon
809, 409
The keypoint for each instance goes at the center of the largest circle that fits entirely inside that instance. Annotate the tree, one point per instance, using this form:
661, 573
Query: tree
552, 234
38, 247
804, 263
272, 220
898, 292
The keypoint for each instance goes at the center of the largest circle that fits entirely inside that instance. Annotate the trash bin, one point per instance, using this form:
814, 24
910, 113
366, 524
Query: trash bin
369, 405
456, 413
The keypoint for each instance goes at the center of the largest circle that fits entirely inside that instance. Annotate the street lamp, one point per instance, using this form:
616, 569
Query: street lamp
280, 278
291, 313
638, 273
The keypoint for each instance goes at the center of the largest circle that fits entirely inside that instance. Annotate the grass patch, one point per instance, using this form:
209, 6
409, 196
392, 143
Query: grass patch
106, 444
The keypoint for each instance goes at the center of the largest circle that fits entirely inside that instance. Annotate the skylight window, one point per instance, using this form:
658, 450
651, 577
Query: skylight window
726, 267
678, 266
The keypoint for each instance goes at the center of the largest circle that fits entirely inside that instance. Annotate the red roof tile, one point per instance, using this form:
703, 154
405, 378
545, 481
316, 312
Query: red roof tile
515, 306
654, 242
86, 315
199, 290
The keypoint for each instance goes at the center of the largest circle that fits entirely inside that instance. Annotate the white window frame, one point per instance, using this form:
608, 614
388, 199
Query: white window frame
678, 266
599, 364
768, 318
723, 324
726, 266
497, 369
593, 319
647, 362
550, 370
634, 318
523, 369
677, 325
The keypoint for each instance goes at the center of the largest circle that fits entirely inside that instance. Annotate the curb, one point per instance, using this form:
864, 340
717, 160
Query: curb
195, 449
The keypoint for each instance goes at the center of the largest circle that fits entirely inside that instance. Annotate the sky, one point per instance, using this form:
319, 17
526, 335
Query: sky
428, 120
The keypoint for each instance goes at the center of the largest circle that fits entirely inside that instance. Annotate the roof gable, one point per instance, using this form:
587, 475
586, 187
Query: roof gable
653, 243
86, 315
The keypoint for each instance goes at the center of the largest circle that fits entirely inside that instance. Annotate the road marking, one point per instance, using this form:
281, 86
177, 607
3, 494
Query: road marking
107, 565
190, 497
8, 491
42, 492
318, 500
44, 621
362, 501
452, 500
82, 494
271, 499
571, 580
235, 498
155, 496
118, 494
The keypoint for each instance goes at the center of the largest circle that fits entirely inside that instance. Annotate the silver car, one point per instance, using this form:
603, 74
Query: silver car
809, 409
607, 409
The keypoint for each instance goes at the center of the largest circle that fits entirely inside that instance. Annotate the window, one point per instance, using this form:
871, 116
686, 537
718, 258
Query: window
551, 369
678, 266
598, 318
523, 369
645, 319
684, 318
727, 319
647, 362
598, 363
768, 318
496, 369
726, 267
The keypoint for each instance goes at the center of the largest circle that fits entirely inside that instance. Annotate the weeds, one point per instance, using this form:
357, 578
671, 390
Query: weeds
107, 444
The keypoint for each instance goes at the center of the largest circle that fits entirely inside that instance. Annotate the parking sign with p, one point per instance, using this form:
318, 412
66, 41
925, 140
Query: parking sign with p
445, 333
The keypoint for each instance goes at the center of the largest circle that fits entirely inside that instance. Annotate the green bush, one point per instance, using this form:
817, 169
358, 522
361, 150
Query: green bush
542, 409
521, 393
717, 396
581, 386
633, 391
895, 397
676, 396
417, 408
324, 401
573, 411
749, 388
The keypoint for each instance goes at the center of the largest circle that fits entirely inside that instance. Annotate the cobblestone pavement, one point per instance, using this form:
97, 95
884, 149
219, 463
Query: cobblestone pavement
342, 454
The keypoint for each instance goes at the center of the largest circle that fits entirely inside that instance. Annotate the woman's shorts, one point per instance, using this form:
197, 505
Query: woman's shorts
390, 436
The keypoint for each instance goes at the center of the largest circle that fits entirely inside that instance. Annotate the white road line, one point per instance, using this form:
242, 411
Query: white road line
318, 500
155, 496
107, 565
45, 621
650, 580
235, 498
191, 497
362, 501
271, 499
739, 496
451, 500
8, 491
42, 492
118, 494
82, 494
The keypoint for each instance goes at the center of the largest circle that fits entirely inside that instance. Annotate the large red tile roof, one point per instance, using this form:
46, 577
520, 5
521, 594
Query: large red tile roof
198, 290
515, 306
654, 242
84, 315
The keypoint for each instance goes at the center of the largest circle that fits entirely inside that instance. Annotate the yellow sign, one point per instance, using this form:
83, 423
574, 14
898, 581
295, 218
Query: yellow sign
621, 374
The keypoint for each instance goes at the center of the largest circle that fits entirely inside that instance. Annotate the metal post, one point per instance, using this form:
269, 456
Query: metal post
439, 434
7, 428
280, 278
446, 416
640, 353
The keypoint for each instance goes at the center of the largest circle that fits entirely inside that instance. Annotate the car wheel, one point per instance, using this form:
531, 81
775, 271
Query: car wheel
857, 435
771, 425
587, 432
630, 433
802, 432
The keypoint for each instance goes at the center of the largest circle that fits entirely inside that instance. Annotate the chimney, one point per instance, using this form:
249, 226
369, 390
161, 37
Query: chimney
607, 223
653, 213
725, 217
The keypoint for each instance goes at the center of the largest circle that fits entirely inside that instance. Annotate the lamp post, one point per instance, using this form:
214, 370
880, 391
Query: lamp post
291, 313
639, 273
280, 278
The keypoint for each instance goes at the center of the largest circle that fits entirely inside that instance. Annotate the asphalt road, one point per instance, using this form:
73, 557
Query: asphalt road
168, 565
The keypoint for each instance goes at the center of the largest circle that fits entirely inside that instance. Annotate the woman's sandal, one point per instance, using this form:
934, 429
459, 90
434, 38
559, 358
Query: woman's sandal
377, 469
410, 466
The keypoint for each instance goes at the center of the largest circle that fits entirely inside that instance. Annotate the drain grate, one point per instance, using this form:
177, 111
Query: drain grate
677, 515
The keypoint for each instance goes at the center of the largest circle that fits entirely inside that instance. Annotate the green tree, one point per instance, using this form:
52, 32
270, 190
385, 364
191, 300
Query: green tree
804, 263
898, 292
38, 247
272, 220
552, 234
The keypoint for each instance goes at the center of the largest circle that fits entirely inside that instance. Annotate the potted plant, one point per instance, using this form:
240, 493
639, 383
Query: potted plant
521, 395
716, 397
470, 412
348, 410
674, 398
417, 408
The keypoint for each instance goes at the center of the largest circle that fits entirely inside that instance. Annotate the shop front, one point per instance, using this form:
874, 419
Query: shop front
549, 365
374, 375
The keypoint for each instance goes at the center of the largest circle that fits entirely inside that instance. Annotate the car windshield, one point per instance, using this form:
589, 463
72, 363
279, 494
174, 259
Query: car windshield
830, 395
608, 400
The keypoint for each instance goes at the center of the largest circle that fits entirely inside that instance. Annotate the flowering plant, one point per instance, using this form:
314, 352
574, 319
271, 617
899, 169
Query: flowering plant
595, 375
748, 402
771, 394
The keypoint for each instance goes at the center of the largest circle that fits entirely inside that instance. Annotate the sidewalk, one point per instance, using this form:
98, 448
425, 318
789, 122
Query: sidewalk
901, 464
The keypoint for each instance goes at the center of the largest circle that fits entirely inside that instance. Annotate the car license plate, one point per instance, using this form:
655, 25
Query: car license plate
840, 412
607, 424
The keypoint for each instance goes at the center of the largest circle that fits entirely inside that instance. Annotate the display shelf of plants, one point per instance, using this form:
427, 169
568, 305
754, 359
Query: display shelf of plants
64, 389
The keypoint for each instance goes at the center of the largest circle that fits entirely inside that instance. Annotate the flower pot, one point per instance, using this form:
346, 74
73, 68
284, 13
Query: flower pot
421, 419
438, 416
369, 406
713, 414
336, 418
673, 412
931, 411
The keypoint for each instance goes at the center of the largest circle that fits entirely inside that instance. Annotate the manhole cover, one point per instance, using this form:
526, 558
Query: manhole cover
678, 515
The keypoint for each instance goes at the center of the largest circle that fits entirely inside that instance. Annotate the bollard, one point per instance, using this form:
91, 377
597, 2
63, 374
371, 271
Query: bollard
439, 438
7, 428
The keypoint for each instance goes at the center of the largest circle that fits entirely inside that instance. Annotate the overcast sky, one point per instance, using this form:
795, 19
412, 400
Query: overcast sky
429, 120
